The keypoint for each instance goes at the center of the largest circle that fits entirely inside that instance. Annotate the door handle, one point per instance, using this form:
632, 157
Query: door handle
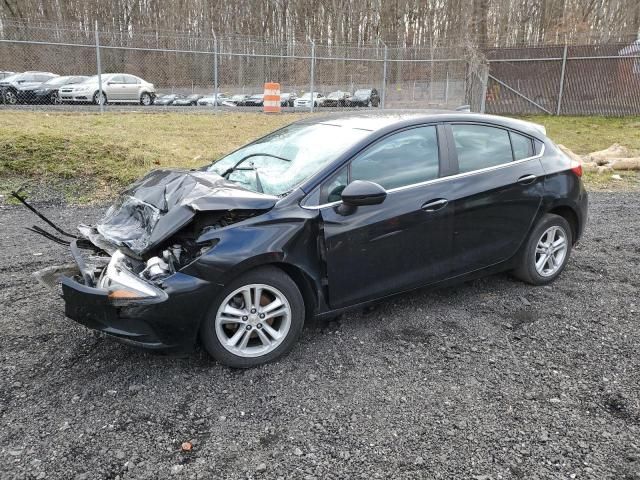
527, 179
435, 205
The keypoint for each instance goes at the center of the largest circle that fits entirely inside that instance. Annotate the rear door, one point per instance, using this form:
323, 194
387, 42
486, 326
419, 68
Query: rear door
495, 194
131, 88
372, 251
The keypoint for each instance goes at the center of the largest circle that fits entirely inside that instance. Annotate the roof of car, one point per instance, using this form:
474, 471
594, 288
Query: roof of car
374, 120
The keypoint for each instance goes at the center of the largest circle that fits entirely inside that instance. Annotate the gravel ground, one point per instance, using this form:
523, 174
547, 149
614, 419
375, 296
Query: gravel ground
492, 379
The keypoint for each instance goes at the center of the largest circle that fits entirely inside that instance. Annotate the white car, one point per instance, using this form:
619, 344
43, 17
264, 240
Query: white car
305, 100
116, 88
210, 100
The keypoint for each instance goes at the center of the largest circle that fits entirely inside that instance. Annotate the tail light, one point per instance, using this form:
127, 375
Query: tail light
576, 167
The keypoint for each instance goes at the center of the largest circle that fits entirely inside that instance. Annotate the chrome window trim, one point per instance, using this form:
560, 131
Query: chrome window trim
435, 180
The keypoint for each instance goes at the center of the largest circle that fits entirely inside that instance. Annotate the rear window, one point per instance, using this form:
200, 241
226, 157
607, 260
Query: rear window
480, 146
522, 146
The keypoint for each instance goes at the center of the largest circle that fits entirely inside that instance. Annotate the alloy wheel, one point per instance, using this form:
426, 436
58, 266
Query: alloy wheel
253, 320
55, 98
10, 97
551, 251
100, 98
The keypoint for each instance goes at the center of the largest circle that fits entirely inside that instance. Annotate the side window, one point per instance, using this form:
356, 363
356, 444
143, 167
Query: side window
332, 189
130, 79
522, 146
404, 158
479, 146
116, 79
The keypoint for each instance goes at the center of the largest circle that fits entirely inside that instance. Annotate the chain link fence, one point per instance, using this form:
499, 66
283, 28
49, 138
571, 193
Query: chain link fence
230, 68
222, 71
596, 79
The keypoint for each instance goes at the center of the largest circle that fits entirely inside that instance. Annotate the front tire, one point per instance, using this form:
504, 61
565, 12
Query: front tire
55, 98
256, 319
546, 252
99, 98
145, 99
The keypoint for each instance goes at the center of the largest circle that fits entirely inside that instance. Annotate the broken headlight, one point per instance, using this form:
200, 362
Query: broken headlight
123, 285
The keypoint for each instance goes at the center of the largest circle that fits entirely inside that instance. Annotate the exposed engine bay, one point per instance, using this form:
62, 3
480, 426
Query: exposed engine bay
153, 230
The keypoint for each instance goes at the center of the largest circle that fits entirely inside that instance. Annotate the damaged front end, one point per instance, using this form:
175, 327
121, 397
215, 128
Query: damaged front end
127, 278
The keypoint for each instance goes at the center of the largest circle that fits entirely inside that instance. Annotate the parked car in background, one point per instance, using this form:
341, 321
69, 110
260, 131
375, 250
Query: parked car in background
237, 100
365, 97
337, 99
211, 100
49, 91
287, 99
5, 74
165, 100
116, 88
256, 100
322, 216
187, 101
18, 88
305, 100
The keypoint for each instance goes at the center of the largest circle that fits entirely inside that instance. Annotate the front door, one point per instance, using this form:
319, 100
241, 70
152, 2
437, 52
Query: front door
373, 251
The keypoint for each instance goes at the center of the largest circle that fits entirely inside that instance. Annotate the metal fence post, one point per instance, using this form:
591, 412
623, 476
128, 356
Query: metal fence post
215, 71
313, 66
100, 94
431, 69
384, 76
561, 88
446, 89
484, 83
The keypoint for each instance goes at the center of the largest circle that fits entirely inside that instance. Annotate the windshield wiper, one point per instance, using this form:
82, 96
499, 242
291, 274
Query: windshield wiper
253, 168
230, 170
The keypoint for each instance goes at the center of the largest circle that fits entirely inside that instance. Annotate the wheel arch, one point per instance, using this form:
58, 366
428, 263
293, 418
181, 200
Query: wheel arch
571, 216
303, 279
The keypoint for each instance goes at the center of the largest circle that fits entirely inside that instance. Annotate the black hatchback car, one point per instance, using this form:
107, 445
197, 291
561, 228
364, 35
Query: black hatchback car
294, 226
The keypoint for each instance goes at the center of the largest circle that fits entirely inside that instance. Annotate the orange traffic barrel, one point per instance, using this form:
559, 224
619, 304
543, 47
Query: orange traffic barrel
271, 98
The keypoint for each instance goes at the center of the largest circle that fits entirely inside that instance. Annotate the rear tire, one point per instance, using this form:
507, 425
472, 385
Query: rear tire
10, 97
546, 252
266, 338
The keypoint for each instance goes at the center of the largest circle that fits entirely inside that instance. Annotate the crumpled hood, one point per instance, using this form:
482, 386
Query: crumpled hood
164, 201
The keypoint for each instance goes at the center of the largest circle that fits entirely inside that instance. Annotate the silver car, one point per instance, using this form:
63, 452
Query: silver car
116, 88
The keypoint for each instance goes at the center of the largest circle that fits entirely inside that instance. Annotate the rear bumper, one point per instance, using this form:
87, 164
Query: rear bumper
169, 322
583, 211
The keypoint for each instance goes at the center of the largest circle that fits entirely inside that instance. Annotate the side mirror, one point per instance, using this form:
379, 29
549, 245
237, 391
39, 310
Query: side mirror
363, 192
